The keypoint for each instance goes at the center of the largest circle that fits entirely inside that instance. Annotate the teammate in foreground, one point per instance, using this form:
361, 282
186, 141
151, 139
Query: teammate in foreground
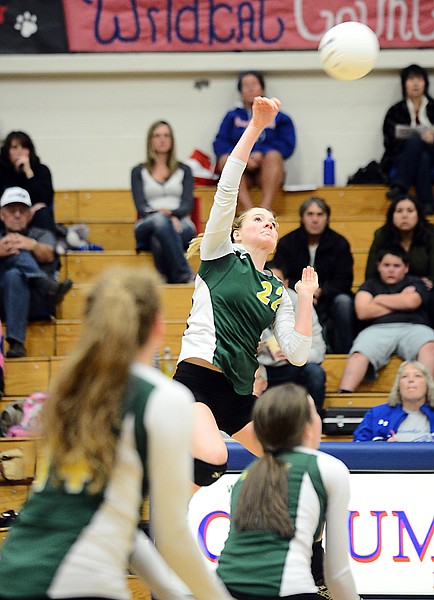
114, 428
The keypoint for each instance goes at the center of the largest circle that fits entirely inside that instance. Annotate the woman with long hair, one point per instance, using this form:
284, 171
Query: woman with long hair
114, 429
407, 227
20, 167
162, 190
236, 297
281, 503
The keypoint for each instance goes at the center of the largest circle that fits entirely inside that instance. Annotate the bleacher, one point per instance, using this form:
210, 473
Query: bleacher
357, 211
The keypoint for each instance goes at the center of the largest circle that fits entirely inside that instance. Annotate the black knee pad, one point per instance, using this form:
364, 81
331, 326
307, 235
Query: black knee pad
206, 473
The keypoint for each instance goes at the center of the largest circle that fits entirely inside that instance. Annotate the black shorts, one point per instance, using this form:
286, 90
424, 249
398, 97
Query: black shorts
231, 410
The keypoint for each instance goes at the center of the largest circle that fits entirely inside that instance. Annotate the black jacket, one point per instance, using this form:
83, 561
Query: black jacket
398, 115
333, 262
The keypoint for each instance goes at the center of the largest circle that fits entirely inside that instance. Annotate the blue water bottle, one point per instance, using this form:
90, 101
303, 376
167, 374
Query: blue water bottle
329, 168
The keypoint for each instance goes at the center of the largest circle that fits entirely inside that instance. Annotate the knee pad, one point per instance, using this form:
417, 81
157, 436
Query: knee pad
205, 473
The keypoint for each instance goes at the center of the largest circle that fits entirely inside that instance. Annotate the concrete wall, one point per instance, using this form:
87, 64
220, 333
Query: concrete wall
88, 114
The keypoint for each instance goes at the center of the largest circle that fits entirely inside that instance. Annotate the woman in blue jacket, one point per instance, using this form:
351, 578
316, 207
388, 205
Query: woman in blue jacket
408, 415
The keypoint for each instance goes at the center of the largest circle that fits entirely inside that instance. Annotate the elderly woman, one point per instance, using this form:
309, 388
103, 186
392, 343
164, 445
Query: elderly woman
408, 415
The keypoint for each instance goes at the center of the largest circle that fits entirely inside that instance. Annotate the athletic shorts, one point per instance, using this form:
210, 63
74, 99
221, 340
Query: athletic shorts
378, 342
231, 411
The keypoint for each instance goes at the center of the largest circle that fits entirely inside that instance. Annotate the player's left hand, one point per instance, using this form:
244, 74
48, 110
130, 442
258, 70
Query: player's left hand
308, 282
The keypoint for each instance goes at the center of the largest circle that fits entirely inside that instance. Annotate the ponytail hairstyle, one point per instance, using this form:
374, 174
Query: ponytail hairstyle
82, 414
279, 417
194, 247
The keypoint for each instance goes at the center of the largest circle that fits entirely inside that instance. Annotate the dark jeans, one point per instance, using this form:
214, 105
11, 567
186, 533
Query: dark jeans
413, 167
157, 234
311, 375
23, 293
338, 323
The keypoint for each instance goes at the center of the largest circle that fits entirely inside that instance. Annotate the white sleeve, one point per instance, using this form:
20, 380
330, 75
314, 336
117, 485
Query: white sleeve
337, 571
295, 346
216, 241
318, 349
169, 421
148, 564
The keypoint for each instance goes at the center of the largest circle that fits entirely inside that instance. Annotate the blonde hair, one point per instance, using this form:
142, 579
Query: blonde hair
237, 223
395, 393
280, 416
172, 161
82, 413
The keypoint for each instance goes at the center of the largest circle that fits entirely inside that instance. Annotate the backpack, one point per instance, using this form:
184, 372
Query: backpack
371, 174
29, 423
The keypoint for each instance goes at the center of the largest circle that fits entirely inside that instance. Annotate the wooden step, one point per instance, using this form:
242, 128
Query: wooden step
176, 301
84, 267
23, 376
359, 399
40, 338
334, 366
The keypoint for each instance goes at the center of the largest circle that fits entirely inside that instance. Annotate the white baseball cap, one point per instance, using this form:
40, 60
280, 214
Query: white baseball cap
15, 195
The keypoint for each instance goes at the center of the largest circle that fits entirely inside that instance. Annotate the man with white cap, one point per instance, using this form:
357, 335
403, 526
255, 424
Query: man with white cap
28, 262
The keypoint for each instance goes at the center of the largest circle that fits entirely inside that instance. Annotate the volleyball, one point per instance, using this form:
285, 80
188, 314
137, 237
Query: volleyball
349, 50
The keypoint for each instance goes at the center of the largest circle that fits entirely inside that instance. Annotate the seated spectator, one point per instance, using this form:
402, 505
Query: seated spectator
314, 243
407, 226
409, 160
280, 505
21, 167
275, 369
28, 263
162, 190
276, 143
392, 307
408, 416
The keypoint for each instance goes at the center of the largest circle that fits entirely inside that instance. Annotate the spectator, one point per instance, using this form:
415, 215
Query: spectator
408, 416
315, 243
280, 505
407, 226
409, 161
162, 190
28, 263
114, 429
21, 167
275, 369
275, 144
392, 306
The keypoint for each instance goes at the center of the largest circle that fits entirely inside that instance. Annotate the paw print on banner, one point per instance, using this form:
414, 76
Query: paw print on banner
26, 24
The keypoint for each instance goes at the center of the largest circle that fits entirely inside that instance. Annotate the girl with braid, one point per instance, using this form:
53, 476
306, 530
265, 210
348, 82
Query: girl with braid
114, 429
234, 300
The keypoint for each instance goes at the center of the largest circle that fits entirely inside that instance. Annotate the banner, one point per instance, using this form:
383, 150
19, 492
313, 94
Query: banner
32, 27
41, 26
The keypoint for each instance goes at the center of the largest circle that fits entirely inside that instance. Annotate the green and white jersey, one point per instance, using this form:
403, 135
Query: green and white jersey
69, 543
263, 563
233, 302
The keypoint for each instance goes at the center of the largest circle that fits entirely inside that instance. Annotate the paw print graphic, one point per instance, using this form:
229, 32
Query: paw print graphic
26, 24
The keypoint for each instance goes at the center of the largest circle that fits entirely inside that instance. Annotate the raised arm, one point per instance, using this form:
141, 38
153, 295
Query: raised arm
216, 241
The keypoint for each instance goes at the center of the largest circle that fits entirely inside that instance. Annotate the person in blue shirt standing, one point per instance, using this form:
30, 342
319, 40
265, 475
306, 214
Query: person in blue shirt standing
275, 144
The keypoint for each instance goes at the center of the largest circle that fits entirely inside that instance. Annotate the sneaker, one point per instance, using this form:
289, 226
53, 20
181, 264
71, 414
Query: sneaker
16, 349
58, 291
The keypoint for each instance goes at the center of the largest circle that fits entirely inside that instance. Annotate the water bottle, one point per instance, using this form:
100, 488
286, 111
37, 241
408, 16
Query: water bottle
329, 168
167, 363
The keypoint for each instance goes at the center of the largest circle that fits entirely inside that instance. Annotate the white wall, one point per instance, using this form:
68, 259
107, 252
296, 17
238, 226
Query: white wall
88, 114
